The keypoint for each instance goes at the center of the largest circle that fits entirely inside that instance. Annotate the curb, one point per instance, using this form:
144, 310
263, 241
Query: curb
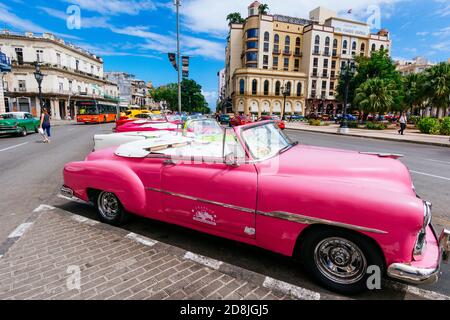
438, 144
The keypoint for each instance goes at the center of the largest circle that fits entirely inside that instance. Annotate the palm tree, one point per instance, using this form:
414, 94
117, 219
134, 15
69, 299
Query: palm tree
263, 9
413, 88
235, 17
437, 86
375, 96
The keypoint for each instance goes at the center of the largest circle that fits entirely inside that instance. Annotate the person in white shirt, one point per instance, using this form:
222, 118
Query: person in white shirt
403, 121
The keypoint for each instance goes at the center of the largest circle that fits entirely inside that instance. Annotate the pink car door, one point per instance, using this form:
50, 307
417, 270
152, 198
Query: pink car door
211, 196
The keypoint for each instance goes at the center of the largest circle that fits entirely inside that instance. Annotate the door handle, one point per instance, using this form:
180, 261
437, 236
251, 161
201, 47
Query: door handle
169, 162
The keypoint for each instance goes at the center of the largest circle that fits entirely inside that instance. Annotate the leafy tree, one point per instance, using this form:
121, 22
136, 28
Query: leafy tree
375, 96
413, 89
380, 66
437, 86
263, 9
192, 99
235, 17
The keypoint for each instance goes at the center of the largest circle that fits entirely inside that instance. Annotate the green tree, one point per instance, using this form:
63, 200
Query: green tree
235, 17
263, 9
380, 66
437, 86
413, 90
375, 96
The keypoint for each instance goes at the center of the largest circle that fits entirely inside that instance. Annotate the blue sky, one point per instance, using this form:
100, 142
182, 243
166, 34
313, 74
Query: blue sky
135, 35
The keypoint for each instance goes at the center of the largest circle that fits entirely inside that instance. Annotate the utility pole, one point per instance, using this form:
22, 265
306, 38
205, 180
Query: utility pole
178, 4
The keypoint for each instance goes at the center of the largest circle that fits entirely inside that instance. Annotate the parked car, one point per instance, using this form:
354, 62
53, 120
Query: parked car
144, 125
18, 123
277, 120
348, 117
339, 217
240, 120
224, 119
295, 117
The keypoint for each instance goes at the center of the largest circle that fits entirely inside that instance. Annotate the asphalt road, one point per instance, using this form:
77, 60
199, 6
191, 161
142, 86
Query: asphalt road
31, 174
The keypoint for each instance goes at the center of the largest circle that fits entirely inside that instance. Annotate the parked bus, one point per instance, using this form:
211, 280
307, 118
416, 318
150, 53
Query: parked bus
92, 111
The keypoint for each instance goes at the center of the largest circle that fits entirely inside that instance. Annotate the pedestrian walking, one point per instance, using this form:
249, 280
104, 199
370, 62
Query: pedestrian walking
403, 121
45, 127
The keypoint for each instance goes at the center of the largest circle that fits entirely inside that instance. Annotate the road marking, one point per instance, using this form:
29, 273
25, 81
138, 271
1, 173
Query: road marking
84, 220
12, 147
430, 175
43, 207
287, 288
142, 240
20, 230
208, 262
446, 162
426, 294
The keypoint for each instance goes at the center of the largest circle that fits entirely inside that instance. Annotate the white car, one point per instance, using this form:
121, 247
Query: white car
104, 141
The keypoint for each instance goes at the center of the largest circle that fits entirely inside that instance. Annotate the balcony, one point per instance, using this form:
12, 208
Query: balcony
326, 53
324, 75
314, 75
298, 54
286, 53
316, 53
276, 51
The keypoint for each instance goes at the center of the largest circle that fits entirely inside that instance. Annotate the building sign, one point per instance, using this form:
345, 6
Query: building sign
185, 63
351, 29
173, 60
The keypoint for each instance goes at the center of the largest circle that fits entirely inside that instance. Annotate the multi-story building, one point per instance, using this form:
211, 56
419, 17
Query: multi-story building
138, 93
221, 87
417, 65
276, 63
123, 80
71, 74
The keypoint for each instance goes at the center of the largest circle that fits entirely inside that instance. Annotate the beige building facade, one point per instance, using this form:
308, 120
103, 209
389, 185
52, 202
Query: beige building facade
277, 63
71, 74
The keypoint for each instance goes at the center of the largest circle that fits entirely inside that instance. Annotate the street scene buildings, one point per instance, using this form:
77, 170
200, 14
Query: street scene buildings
272, 57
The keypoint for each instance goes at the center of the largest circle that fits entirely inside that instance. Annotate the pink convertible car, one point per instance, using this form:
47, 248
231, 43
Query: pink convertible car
340, 212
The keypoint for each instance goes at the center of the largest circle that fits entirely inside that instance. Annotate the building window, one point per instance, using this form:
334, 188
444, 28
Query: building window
287, 44
19, 55
70, 85
252, 45
325, 63
266, 87
382, 47
327, 41
363, 47
276, 39
58, 59
266, 47
317, 40
286, 64
61, 87
266, 36
242, 86
296, 65
333, 64
275, 62
373, 47
316, 50
254, 86
252, 56
276, 42
297, 42
325, 73
331, 85
252, 33
266, 60
316, 62
354, 45
299, 89
288, 88
314, 72
277, 88
314, 84
39, 55
324, 84
22, 86
335, 43
77, 64
344, 44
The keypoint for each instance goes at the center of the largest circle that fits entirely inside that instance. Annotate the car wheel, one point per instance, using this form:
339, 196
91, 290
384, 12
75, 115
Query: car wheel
23, 133
338, 259
110, 210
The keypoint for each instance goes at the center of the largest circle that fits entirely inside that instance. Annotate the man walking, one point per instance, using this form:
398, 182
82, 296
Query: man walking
403, 121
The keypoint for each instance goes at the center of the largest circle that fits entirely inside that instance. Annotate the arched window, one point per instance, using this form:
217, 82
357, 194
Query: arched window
299, 89
363, 46
373, 47
288, 88
382, 47
254, 86
277, 88
287, 40
335, 43
276, 39
354, 45
266, 87
344, 44
297, 42
241, 86
327, 41
317, 40
266, 36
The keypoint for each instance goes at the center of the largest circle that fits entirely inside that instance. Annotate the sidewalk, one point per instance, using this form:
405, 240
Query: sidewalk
44, 254
412, 136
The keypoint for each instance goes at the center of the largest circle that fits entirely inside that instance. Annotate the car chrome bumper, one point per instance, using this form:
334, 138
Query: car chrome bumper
66, 192
415, 275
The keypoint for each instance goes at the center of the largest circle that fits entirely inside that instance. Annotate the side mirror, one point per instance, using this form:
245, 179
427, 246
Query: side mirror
231, 160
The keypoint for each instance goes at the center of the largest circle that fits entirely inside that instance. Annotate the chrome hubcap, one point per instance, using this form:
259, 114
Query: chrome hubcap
108, 205
340, 260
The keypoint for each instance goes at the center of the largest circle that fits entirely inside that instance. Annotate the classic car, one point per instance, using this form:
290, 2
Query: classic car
224, 119
240, 120
280, 123
146, 125
18, 123
340, 217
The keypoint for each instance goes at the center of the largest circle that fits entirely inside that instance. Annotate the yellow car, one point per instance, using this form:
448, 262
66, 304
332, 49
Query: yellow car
134, 113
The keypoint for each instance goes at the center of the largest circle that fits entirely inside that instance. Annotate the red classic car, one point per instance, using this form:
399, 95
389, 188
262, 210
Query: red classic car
277, 120
240, 121
256, 186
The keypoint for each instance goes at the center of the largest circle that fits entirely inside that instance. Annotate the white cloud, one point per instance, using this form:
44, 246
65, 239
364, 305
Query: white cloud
444, 32
211, 98
422, 33
442, 46
15, 22
208, 17
115, 7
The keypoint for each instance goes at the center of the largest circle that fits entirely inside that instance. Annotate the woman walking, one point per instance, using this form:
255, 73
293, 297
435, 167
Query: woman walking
403, 121
45, 125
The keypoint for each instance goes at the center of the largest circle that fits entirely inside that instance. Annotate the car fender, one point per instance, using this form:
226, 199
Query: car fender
107, 175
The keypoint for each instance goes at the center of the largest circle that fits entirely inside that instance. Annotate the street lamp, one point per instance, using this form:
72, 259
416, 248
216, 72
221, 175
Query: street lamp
39, 78
285, 92
347, 72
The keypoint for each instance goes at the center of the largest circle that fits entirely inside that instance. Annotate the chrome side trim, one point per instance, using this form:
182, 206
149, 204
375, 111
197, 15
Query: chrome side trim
293, 217
310, 220
384, 155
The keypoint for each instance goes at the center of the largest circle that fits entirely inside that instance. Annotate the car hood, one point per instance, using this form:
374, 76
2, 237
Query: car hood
8, 122
341, 167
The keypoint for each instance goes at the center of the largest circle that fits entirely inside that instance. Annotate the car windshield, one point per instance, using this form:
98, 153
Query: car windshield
173, 118
266, 141
204, 127
8, 116
156, 117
